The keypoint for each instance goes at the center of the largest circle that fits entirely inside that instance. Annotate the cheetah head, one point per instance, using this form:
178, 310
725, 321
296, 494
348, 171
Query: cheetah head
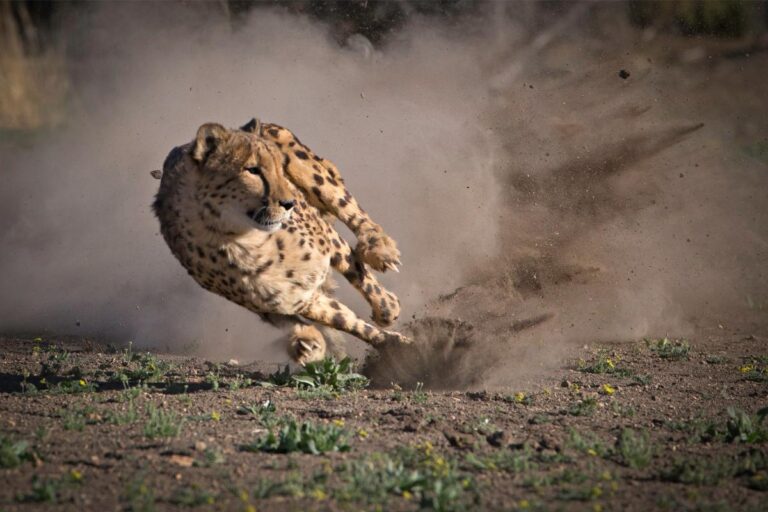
241, 185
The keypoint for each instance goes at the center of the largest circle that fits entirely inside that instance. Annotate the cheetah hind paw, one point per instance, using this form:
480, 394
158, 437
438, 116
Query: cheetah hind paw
378, 250
393, 338
306, 344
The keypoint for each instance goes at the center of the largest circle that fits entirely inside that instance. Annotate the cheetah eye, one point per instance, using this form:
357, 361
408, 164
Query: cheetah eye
256, 171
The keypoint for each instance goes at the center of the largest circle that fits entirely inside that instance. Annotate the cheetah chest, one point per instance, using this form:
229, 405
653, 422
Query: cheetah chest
276, 272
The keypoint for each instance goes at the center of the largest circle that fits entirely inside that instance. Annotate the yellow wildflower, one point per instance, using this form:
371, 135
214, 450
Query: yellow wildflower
338, 423
407, 495
523, 504
319, 494
362, 433
592, 452
519, 397
215, 416
746, 368
76, 475
607, 389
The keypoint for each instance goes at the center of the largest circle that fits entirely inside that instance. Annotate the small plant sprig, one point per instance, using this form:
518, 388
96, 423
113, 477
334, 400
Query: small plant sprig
13, 453
604, 363
583, 407
739, 426
337, 376
264, 412
746, 428
49, 490
634, 448
755, 369
306, 437
162, 423
670, 349
140, 368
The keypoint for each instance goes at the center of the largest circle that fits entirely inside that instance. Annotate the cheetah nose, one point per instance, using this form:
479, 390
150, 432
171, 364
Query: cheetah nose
288, 204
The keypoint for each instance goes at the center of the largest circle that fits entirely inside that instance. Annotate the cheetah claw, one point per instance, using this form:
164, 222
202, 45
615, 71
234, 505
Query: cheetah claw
306, 345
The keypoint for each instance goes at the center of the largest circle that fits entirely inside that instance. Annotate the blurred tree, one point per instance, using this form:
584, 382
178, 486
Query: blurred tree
721, 18
33, 77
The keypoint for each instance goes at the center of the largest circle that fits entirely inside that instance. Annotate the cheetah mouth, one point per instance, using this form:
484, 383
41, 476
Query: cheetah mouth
263, 223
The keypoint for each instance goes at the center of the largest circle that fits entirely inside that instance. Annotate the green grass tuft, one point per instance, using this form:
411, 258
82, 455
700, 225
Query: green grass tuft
162, 423
304, 437
13, 453
634, 449
336, 376
670, 349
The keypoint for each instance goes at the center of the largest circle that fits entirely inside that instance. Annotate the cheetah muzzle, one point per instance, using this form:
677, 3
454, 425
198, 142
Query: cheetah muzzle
274, 256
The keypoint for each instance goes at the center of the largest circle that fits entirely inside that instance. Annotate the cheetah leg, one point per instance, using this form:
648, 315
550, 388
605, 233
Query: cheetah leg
329, 312
385, 306
324, 188
306, 343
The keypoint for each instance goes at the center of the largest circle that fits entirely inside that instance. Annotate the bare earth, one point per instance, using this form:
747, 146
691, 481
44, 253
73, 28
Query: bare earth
565, 442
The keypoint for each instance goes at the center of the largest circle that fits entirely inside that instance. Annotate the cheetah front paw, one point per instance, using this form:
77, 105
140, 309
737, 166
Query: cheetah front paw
306, 344
385, 307
378, 250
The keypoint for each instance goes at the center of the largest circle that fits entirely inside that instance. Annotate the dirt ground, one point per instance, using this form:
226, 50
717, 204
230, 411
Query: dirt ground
633, 426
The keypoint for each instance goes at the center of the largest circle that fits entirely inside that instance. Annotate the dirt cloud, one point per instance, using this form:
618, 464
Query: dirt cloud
82, 251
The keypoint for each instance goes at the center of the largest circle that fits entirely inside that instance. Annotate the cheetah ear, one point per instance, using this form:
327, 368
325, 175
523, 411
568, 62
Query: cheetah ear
252, 126
208, 137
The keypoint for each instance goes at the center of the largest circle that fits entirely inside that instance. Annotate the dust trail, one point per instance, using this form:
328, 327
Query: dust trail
540, 200
628, 210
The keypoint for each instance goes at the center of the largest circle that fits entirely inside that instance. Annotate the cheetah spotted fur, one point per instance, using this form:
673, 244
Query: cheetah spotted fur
248, 212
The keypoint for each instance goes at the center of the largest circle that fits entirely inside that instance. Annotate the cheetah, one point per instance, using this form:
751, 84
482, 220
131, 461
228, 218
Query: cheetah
249, 214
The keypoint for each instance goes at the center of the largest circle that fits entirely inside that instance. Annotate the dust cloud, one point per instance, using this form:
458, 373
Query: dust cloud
82, 251
540, 200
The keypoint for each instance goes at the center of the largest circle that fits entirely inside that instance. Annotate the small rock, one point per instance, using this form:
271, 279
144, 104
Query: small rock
184, 461
549, 443
200, 446
517, 445
411, 426
496, 439
623, 74
233, 362
458, 439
